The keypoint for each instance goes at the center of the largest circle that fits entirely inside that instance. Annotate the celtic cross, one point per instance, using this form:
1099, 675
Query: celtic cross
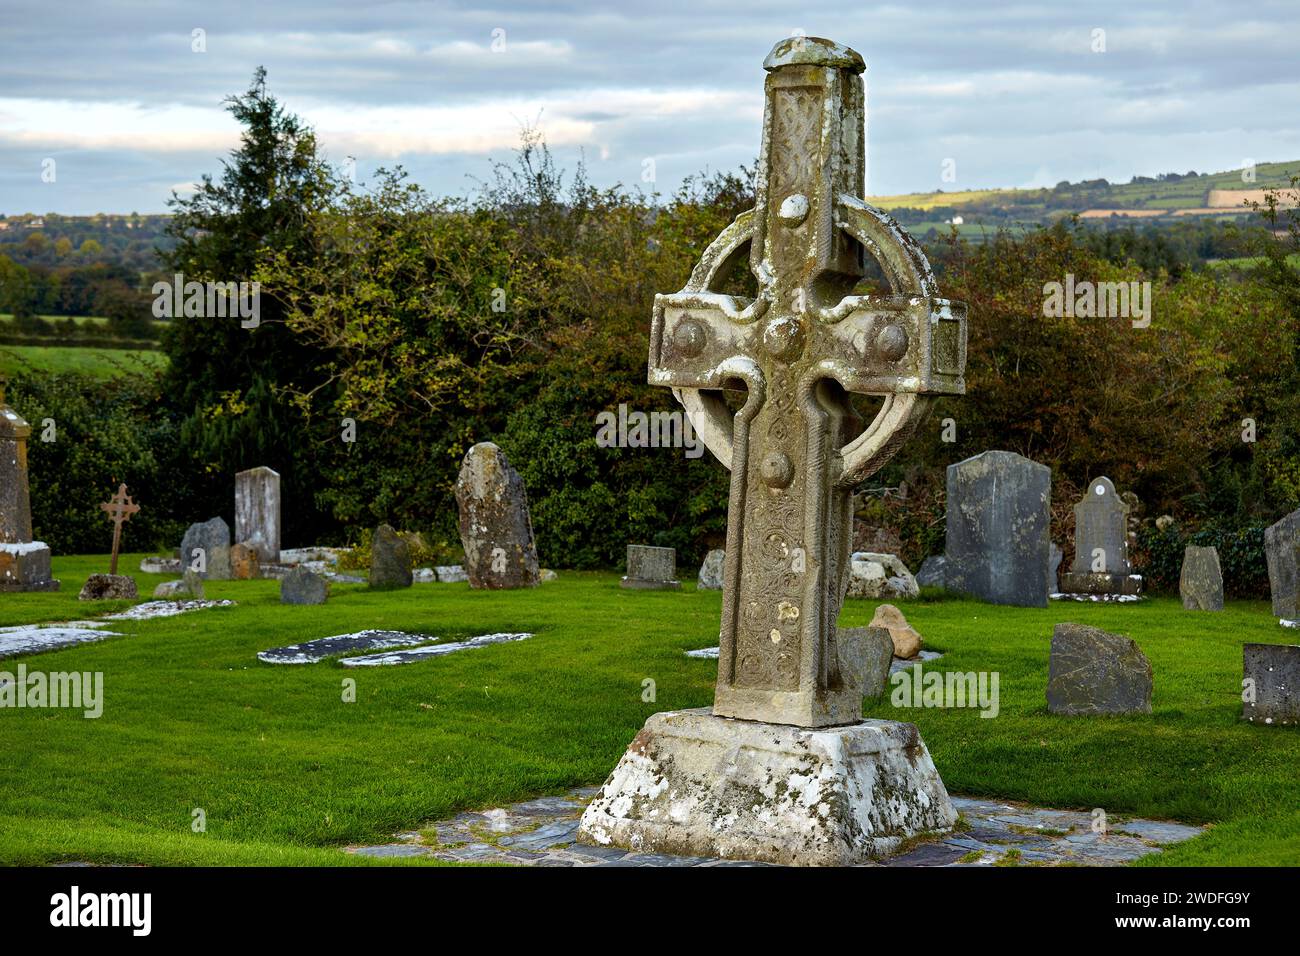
119, 508
798, 348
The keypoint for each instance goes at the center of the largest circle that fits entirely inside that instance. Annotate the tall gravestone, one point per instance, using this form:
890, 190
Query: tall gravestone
24, 563
257, 512
998, 521
788, 699
495, 528
1280, 552
1101, 564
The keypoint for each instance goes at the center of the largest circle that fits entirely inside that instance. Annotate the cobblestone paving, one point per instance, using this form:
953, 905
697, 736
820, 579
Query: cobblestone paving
542, 833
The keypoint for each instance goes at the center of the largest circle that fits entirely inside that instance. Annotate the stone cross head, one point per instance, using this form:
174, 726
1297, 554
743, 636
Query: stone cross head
798, 348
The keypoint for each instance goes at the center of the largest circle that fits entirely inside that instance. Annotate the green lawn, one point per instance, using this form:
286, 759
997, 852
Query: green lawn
287, 773
101, 362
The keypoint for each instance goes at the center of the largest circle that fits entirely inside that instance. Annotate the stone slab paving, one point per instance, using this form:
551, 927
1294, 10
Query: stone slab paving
543, 832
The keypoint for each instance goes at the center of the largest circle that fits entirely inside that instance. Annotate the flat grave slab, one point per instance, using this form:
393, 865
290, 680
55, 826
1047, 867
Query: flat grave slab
390, 658
38, 638
311, 652
542, 832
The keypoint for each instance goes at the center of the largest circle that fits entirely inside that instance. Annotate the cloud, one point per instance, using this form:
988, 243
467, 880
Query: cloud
1013, 94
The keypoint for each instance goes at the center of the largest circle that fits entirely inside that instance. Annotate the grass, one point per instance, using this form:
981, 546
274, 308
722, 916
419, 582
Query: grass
288, 774
104, 363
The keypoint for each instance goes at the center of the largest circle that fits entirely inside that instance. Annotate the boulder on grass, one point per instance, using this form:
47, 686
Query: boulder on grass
906, 640
390, 560
108, 587
876, 575
303, 586
1095, 672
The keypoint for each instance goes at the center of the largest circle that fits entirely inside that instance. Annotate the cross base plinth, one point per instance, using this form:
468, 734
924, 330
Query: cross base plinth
26, 567
696, 784
1090, 582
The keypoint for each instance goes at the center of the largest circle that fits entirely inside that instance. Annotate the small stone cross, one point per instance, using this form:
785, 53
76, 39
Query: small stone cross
796, 448
119, 508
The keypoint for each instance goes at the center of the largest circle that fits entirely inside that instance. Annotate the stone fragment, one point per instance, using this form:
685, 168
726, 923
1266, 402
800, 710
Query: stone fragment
108, 587
245, 562
932, 573
873, 575
711, 571
997, 529
1200, 584
1094, 672
1271, 684
653, 569
206, 550
390, 560
496, 530
907, 642
301, 586
866, 654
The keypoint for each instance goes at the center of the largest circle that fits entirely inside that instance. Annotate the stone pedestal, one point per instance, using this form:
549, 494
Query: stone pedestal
26, 567
650, 568
695, 784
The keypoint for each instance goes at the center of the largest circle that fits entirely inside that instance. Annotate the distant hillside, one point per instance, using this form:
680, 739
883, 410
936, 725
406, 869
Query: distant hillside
1165, 200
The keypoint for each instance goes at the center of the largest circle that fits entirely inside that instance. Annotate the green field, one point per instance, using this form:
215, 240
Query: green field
101, 362
288, 774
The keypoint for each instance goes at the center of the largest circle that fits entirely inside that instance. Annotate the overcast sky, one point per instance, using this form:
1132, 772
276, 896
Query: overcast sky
1012, 94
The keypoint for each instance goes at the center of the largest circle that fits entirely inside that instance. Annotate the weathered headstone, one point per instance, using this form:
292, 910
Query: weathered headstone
1280, 551
24, 563
257, 511
1101, 564
1271, 684
1200, 583
390, 560
710, 578
1054, 558
301, 586
495, 528
997, 524
788, 700
98, 587
205, 549
651, 569
1094, 672
245, 562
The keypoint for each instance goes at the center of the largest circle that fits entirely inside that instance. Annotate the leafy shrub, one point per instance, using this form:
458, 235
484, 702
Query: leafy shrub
1158, 557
